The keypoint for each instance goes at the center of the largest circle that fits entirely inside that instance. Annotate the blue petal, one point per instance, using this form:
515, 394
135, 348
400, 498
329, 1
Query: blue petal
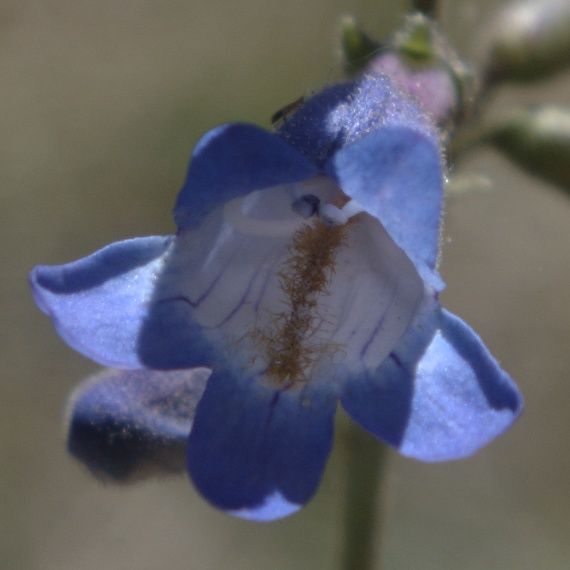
343, 114
99, 303
127, 425
234, 160
395, 174
256, 451
440, 395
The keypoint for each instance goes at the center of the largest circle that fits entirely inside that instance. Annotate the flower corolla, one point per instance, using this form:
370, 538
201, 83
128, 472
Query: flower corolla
302, 273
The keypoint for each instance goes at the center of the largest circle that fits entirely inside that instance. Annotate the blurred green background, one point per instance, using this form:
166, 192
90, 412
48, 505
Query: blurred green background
101, 104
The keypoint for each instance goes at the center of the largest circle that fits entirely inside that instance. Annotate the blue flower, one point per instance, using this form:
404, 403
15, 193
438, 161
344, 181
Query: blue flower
303, 272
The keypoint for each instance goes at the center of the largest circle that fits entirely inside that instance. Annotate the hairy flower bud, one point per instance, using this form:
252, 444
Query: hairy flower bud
424, 64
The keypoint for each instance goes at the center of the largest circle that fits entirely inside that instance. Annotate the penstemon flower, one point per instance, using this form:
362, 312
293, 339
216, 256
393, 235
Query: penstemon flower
303, 272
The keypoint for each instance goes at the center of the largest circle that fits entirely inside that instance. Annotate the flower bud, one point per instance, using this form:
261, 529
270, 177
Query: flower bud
530, 40
538, 140
424, 65
128, 425
432, 86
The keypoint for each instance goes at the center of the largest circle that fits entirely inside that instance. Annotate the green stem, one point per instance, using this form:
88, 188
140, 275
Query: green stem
365, 461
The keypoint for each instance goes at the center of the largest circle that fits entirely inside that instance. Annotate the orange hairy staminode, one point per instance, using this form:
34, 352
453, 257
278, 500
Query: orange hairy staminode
306, 275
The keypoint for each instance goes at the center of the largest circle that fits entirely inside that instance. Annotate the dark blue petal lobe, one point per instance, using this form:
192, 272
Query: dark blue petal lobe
343, 114
395, 174
258, 452
132, 424
234, 160
99, 303
440, 395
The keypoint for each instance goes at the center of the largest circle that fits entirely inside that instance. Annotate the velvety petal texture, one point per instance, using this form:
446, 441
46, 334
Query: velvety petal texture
440, 395
343, 114
256, 451
98, 304
126, 425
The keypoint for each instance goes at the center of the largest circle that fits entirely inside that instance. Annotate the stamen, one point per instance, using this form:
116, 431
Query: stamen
332, 215
352, 208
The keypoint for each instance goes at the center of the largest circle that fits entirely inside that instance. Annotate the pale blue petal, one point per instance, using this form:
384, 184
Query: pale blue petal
99, 303
274, 507
131, 424
440, 395
259, 452
232, 161
395, 175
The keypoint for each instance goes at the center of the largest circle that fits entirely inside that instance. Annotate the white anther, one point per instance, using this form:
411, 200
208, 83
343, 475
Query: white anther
339, 216
332, 215
352, 208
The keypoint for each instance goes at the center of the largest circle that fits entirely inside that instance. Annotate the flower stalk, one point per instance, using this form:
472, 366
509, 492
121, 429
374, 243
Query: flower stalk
365, 467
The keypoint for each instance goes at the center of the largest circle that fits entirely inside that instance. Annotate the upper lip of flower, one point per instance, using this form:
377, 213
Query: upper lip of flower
228, 293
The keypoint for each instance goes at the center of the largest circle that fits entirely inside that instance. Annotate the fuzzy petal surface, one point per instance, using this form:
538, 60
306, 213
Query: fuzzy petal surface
126, 425
256, 451
439, 396
343, 114
98, 303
